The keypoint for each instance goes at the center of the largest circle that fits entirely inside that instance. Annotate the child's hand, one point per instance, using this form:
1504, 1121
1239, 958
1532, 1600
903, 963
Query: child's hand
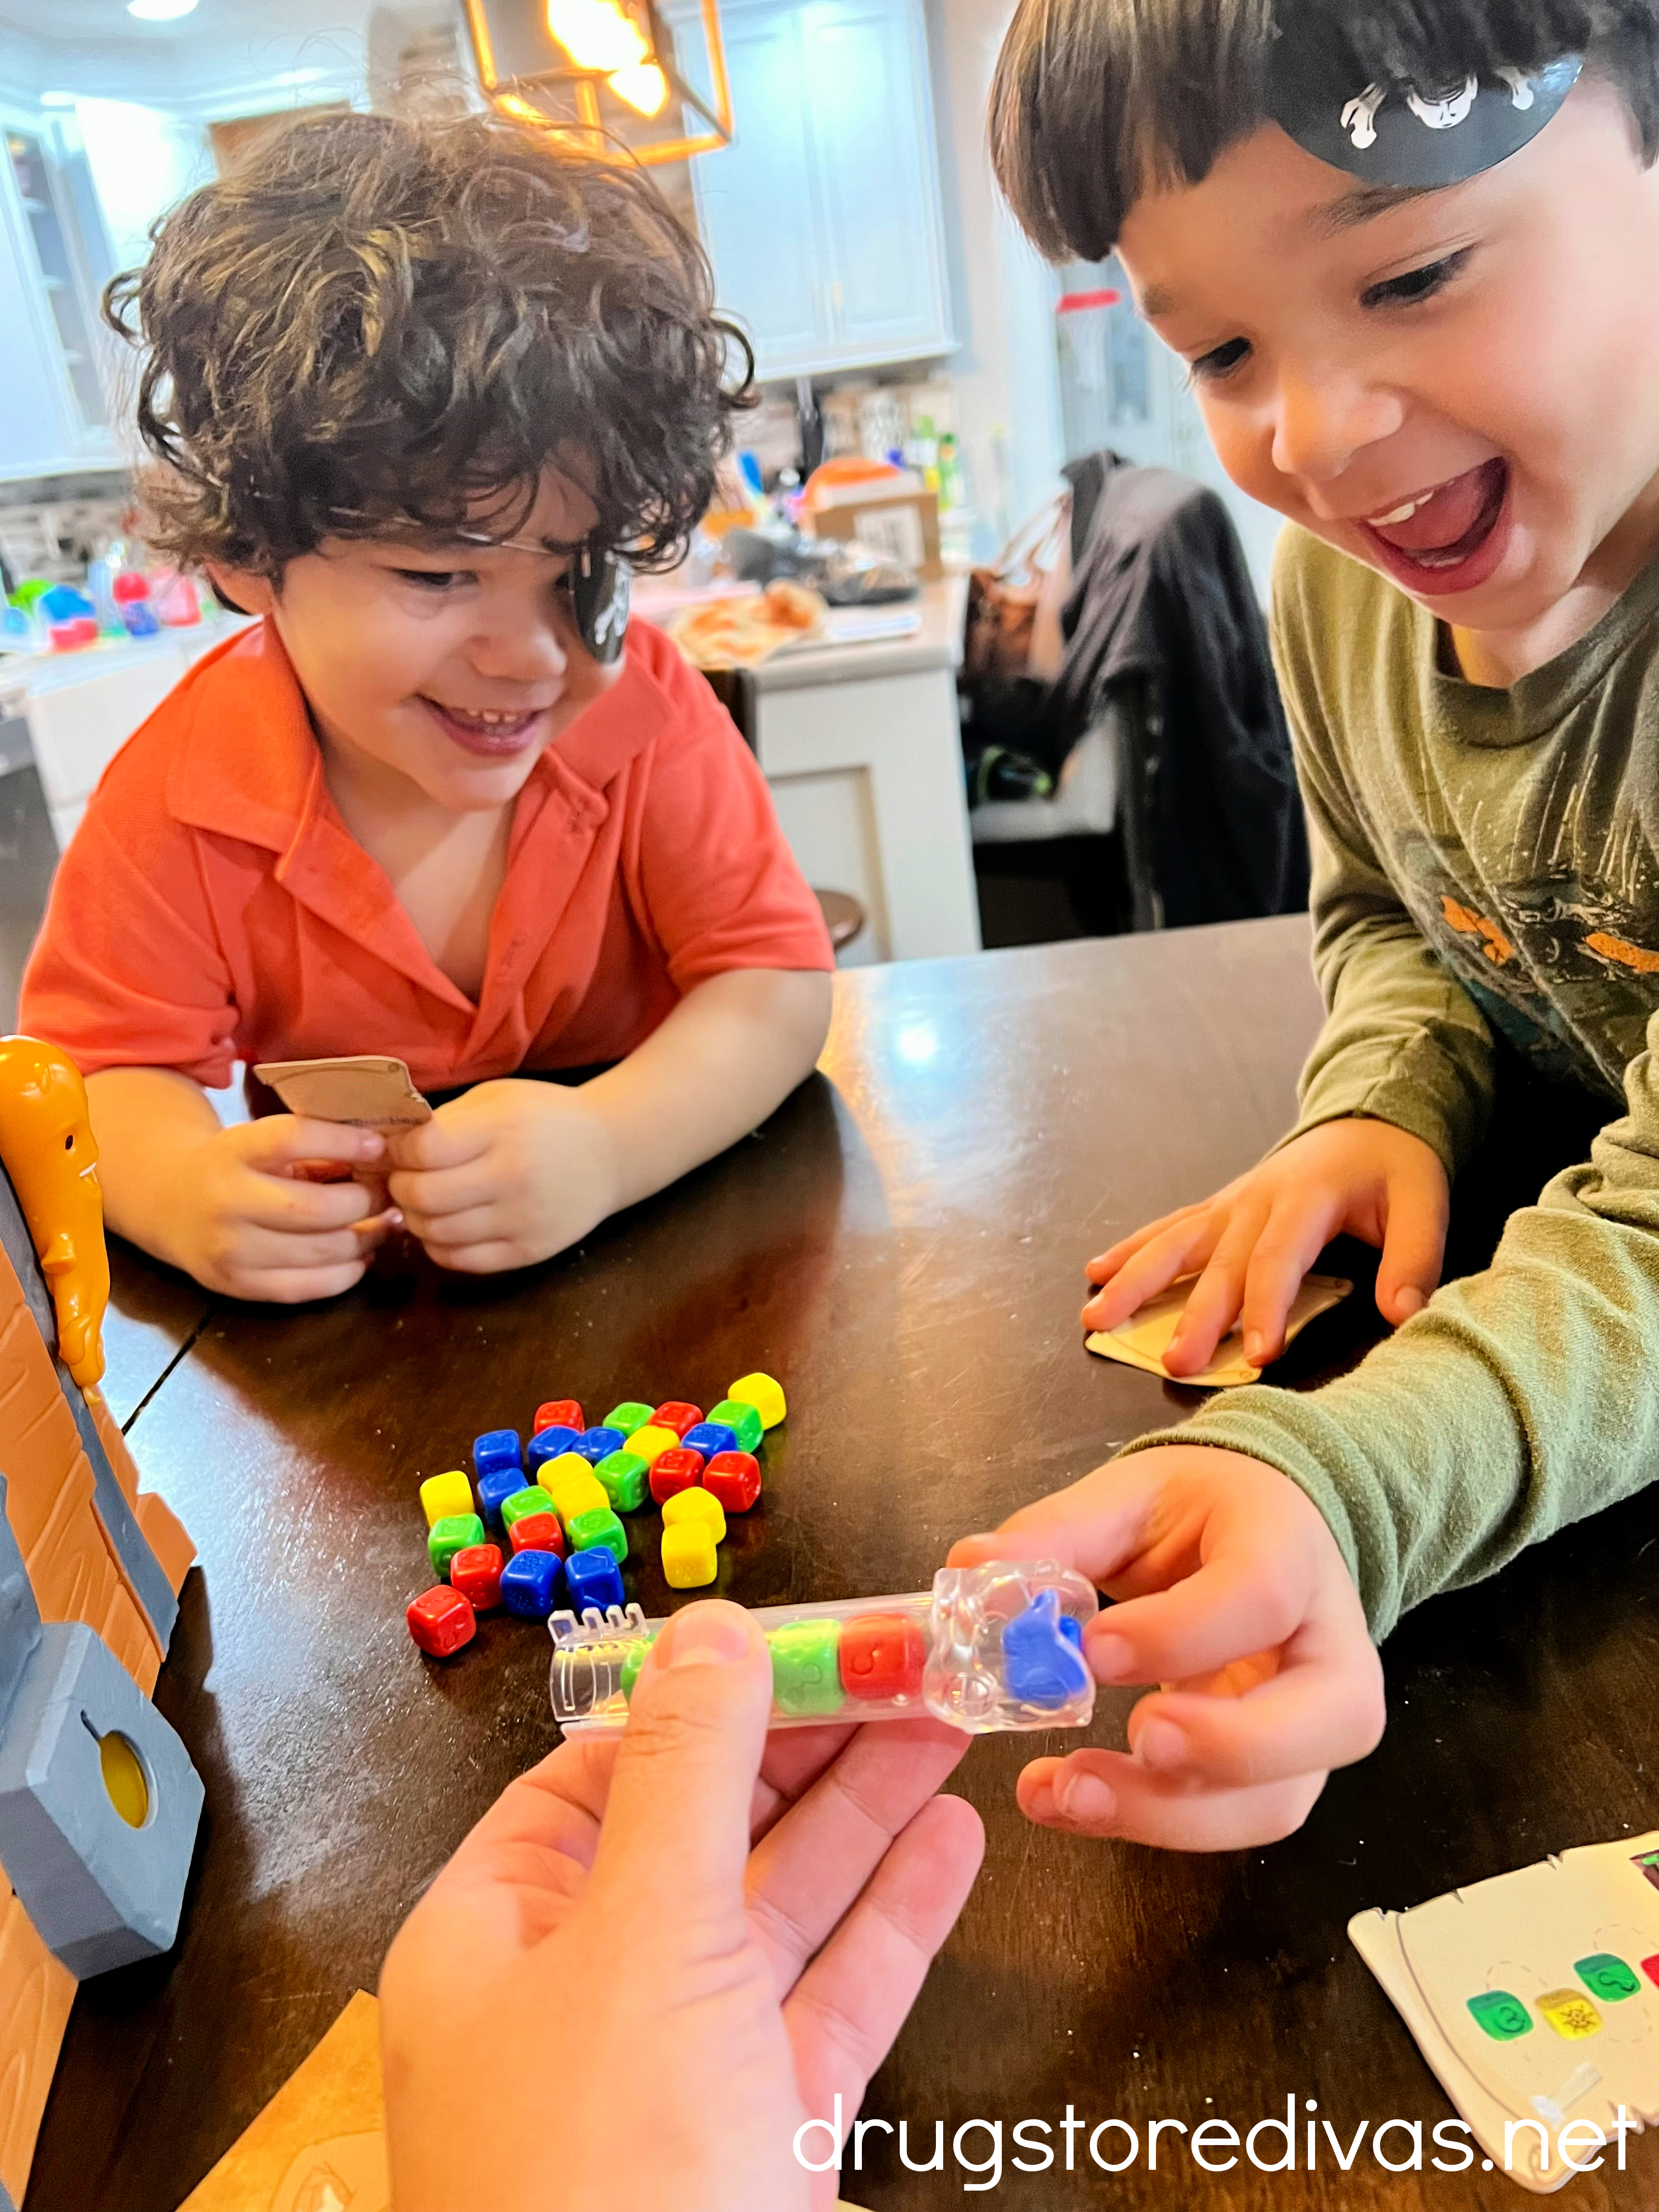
247, 1218
1233, 1593
506, 1175
1256, 1239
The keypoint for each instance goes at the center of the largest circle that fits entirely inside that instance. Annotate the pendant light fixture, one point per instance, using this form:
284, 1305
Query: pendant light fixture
556, 63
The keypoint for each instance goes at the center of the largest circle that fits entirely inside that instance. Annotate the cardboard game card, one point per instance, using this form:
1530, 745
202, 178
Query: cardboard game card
369, 1090
1143, 1340
1535, 1997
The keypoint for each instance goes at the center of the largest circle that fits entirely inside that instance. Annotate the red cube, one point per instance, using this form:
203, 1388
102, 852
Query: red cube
883, 1654
558, 1413
675, 1413
538, 1532
475, 1572
674, 1471
734, 1478
440, 1620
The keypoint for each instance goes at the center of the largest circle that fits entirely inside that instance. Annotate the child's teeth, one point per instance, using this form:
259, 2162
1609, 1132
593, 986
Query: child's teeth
1401, 513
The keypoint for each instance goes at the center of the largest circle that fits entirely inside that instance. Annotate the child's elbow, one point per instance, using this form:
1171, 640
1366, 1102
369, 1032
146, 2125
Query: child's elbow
812, 998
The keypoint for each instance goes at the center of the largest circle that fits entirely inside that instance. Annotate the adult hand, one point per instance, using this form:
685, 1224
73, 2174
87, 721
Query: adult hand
1234, 1595
690, 1960
1252, 1243
507, 1174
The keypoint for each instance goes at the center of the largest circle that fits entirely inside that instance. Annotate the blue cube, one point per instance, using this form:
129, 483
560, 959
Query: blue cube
595, 1444
497, 1448
550, 1444
530, 1583
501, 1482
709, 1437
593, 1579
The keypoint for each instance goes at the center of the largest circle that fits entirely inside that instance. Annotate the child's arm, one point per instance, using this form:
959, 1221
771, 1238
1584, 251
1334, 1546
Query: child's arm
227, 1205
514, 1171
1394, 1096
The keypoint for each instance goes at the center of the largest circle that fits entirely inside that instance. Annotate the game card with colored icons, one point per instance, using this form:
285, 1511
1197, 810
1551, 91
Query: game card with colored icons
1535, 1997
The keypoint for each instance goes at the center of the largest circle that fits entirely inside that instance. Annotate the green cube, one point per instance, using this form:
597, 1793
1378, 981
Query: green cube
632, 1664
805, 1668
452, 1535
626, 1478
598, 1531
629, 1416
532, 1499
744, 1421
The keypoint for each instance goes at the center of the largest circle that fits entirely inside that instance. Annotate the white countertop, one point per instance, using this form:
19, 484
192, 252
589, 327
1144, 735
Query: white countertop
936, 643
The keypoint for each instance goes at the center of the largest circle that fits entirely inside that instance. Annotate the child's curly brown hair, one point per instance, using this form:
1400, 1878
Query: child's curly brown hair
375, 325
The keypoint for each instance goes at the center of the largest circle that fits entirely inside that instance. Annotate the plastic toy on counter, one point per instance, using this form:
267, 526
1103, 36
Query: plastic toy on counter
988, 1649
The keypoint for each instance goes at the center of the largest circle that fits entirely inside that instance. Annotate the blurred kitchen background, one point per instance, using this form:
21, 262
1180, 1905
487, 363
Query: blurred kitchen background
831, 155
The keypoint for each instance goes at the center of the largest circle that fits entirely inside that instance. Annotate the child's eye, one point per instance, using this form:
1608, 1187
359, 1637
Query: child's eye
1220, 360
435, 580
1405, 291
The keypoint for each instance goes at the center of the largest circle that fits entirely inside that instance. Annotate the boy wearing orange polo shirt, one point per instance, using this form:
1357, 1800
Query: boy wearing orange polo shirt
418, 393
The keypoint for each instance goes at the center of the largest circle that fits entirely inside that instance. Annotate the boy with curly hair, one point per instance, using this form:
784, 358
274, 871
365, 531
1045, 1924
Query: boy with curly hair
419, 394
1410, 252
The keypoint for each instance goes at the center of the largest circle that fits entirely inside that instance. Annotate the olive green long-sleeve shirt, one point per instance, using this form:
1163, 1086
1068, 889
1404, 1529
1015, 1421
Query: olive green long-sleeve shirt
1485, 862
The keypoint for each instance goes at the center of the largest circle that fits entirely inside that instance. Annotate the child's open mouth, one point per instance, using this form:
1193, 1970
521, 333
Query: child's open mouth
1449, 539
490, 733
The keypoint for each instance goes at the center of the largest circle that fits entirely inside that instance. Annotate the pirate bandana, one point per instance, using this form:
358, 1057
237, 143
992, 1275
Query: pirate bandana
1397, 132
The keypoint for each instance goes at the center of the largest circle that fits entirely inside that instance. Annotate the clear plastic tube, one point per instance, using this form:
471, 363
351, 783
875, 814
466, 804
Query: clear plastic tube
988, 1649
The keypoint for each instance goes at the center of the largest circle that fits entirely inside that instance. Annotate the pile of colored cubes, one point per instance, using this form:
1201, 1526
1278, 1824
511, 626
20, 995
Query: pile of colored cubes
545, 1527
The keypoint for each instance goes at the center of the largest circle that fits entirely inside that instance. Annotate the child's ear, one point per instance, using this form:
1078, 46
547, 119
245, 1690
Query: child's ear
241, 591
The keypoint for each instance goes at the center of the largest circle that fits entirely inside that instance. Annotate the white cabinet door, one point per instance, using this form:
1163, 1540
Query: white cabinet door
32, 436
867, 63
822, 218
755, 198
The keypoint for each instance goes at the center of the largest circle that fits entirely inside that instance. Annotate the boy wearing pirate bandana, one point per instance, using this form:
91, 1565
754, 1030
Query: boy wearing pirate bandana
418, 392
1411, 255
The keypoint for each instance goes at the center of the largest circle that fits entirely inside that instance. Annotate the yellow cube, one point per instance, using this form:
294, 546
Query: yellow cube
765, 1396
444, 1494
574, 1487
696, 1504
650, 1442
688, 1552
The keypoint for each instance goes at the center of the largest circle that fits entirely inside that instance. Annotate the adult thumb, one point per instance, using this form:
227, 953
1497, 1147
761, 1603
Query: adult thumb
674, 1842
1414, 1246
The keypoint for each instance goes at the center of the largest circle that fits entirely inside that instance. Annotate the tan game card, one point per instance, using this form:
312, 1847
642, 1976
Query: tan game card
368, 1091
319, 2144
1143, 1340
1535, 1997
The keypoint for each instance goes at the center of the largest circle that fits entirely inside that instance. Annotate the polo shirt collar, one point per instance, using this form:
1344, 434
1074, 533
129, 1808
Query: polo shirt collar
264, 786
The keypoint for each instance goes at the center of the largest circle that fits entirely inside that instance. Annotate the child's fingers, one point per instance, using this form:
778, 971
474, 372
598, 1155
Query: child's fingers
279, 1140
1315, 1715
440, 1193
1413, 1242
449, 1139
1105, 1265
1108, 1794
270, 1249
278, 1205
1293, 1238
493, 1257
1212, 1302
293, 1287
1247, 1600
1174, 1252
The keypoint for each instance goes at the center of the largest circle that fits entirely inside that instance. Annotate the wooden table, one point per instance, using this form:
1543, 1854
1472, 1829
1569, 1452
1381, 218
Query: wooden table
902, 1243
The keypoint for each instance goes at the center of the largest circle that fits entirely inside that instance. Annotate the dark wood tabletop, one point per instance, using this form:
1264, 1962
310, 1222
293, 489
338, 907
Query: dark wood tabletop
903, 1244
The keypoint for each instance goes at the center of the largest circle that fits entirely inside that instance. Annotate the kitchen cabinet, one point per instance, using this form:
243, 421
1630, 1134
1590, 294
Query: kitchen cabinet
822, 218
52, 414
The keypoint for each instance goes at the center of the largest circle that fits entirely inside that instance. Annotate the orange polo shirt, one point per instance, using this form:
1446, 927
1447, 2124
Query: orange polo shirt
213, 906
